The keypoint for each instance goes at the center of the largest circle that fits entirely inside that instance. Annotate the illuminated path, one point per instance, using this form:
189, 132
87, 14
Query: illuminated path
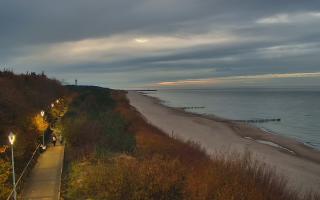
45, 179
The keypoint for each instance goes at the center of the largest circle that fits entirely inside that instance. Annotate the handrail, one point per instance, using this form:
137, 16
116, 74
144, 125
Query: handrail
24, 171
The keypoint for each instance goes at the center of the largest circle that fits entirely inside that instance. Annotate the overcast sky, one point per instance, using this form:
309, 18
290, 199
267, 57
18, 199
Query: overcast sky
164, 43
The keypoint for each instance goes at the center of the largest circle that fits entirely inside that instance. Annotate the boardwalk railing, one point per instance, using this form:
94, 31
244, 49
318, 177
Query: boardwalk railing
25, 172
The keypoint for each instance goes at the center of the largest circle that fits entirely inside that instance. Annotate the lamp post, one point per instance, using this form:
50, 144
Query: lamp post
42, 115
12, 138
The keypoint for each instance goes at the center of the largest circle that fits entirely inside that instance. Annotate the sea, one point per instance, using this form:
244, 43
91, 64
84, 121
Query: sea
298, 109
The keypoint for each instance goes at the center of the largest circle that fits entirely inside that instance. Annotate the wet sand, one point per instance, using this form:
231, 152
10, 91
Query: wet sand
295, 161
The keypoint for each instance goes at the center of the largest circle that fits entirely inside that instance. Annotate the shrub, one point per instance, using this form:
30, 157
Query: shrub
124, 177
5, 170
92, 126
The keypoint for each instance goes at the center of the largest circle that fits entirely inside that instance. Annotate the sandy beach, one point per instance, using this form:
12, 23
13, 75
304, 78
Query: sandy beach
298, 163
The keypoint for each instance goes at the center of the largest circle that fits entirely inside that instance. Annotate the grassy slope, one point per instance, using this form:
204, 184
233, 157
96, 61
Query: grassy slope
112, 153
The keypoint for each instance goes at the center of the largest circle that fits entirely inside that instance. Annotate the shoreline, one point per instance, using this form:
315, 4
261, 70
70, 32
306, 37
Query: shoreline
257, 134
291, 158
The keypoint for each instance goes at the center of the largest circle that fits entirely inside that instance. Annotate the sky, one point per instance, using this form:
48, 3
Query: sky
131, 44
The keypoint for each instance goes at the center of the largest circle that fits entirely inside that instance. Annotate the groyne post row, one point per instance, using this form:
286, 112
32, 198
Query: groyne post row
191, 107
243, 121
259, 120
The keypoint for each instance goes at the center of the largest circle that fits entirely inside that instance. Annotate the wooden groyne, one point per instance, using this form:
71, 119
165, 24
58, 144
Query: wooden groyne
145, 90
191, 107
259, 120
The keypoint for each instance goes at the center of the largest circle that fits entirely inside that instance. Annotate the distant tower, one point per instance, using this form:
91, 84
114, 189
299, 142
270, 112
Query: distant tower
76, 82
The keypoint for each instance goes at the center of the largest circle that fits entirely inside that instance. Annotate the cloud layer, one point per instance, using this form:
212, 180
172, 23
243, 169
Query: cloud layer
140, 43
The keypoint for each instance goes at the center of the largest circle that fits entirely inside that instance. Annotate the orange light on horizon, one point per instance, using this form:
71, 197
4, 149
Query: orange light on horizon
233, 79
188, 82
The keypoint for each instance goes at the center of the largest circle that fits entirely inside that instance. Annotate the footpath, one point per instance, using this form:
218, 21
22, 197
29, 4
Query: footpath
45, 178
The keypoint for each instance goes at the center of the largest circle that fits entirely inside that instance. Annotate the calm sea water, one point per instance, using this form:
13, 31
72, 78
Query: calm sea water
299, 110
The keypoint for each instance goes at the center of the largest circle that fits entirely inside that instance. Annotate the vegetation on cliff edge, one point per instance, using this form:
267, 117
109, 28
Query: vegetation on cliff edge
22, 97
124, 157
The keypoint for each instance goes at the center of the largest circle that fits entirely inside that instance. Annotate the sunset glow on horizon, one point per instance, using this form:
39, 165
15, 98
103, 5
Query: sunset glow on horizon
220, 80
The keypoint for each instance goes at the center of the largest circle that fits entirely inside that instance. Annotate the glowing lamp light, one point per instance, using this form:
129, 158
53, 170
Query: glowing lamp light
57, 101
12, 138
42, 113
52, 105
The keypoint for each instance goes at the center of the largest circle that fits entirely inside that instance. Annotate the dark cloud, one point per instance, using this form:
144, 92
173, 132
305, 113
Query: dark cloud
51, 21
292, 45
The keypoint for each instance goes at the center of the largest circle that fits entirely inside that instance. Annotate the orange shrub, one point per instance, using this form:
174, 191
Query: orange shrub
40, 123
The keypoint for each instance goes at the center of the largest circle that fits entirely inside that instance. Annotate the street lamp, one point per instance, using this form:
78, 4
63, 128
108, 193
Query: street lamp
42, 115
12, 138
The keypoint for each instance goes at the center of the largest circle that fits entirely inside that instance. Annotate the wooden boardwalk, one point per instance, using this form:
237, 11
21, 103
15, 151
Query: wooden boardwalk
45, 178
